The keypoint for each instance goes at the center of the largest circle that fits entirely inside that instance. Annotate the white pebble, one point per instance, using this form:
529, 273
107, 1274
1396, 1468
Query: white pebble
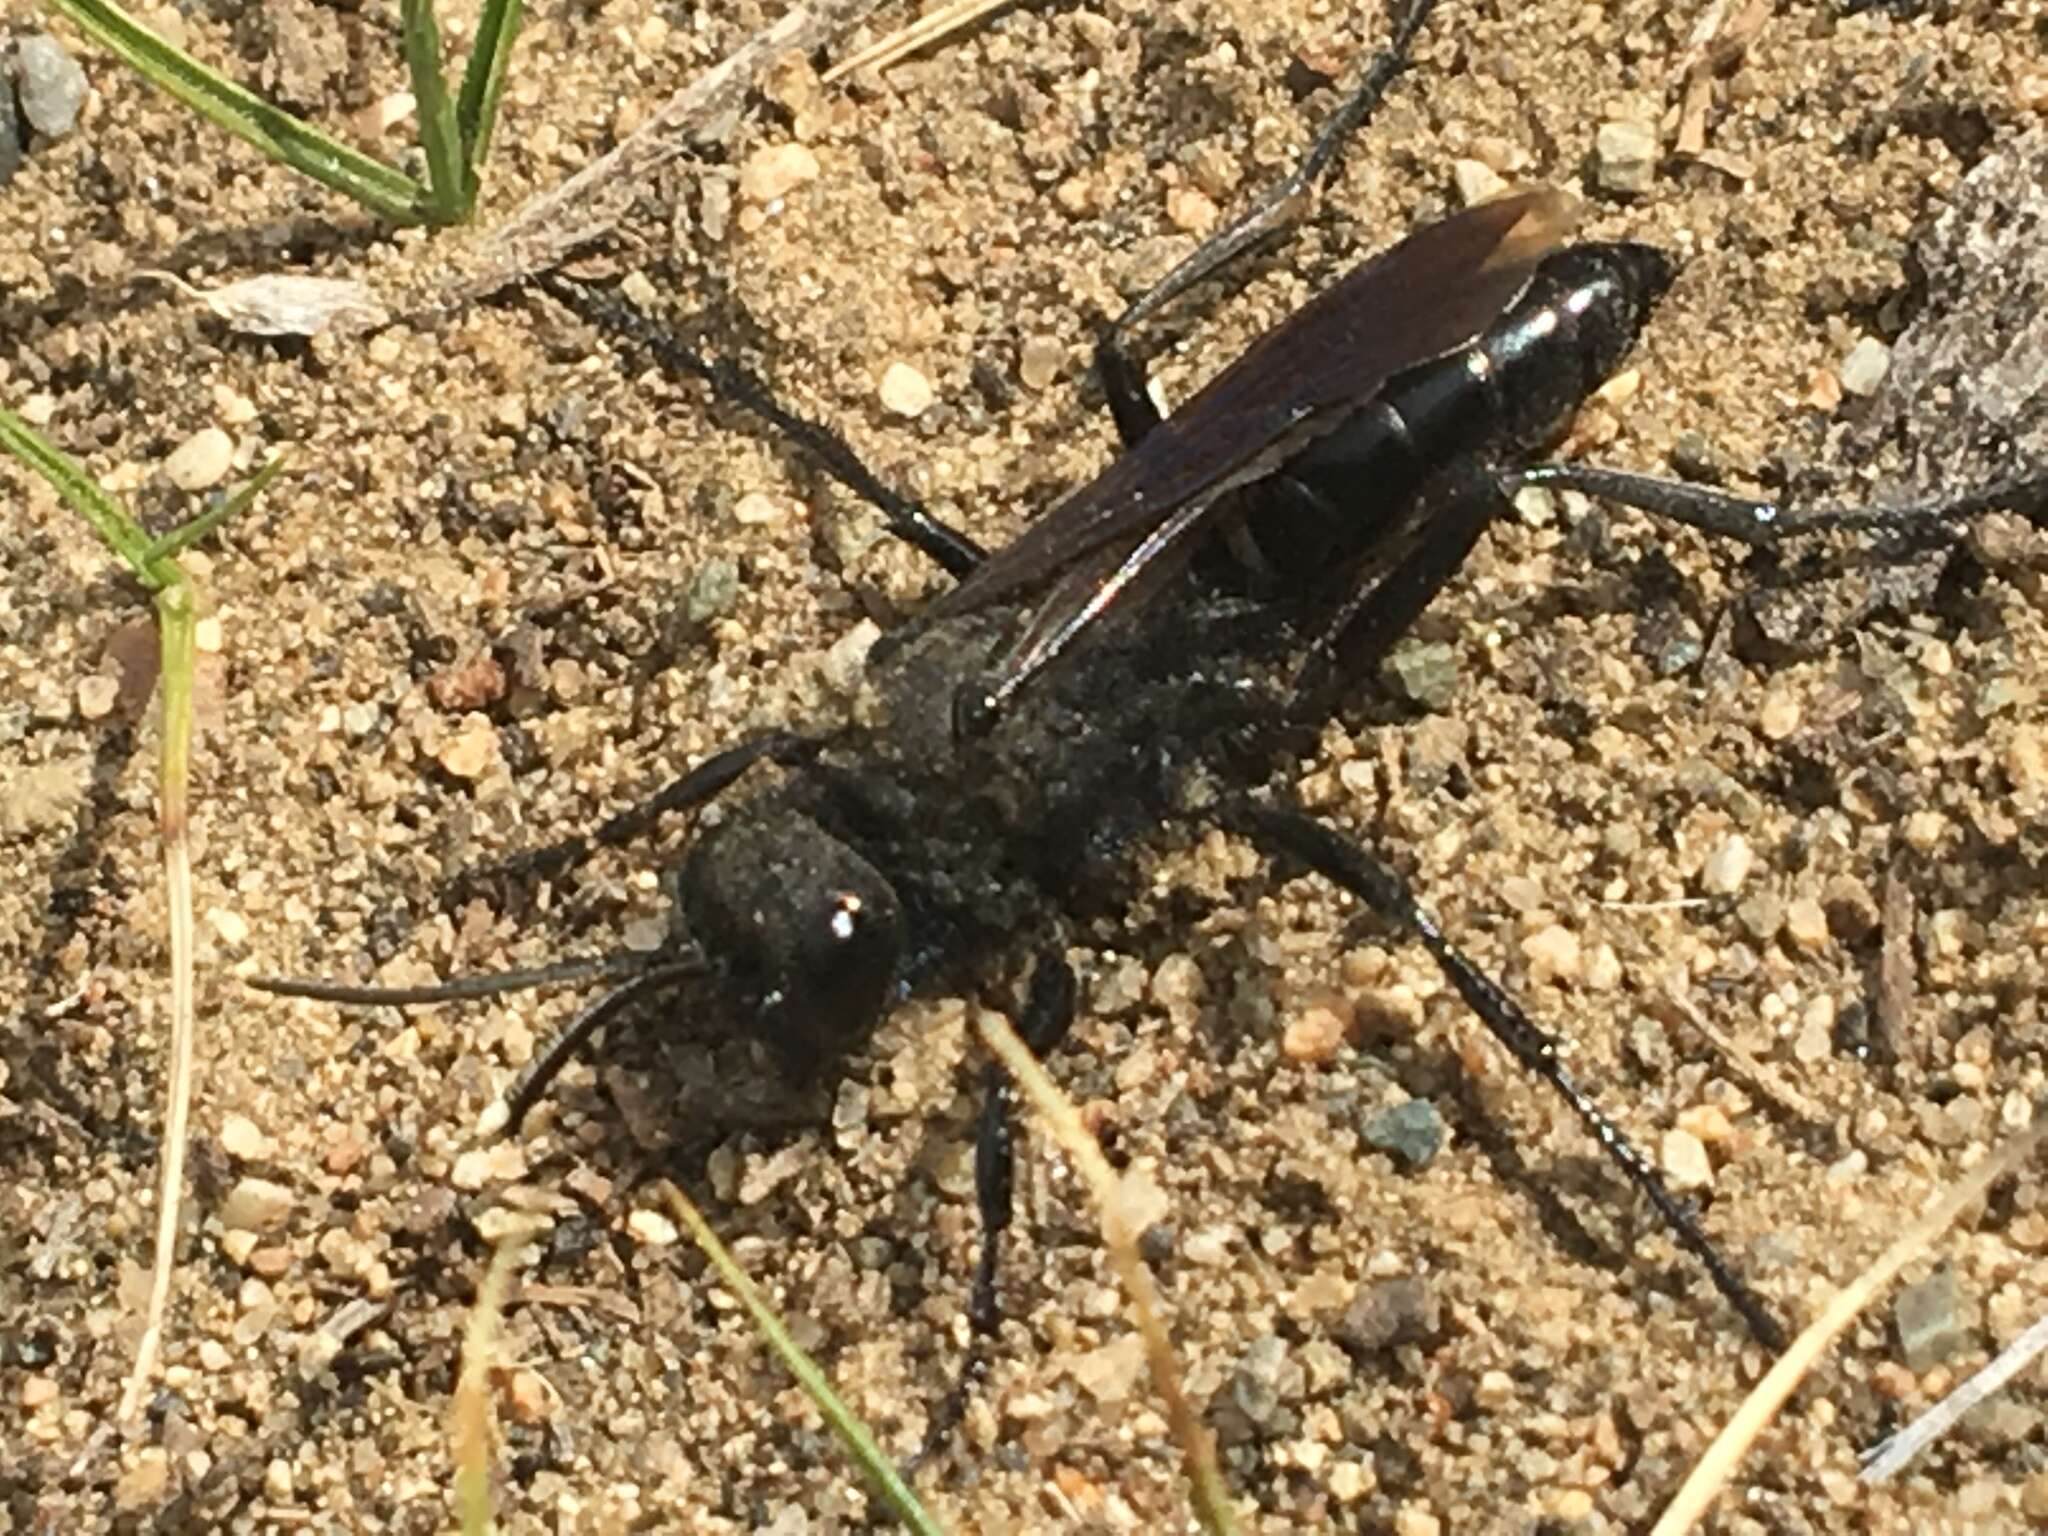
905, 391
652, 1228
776, 172
1865, 366
1477, 181
1685, 1161
1040, 362
1625, 156
201, 461
1728, 866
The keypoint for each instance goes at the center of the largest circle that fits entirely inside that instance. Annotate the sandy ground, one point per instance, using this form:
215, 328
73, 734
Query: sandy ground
473, 617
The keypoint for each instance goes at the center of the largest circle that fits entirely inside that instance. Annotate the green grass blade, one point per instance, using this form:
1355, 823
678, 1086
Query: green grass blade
852, 1433
248, 116
447, 173
82, 494
185, 535
483, 81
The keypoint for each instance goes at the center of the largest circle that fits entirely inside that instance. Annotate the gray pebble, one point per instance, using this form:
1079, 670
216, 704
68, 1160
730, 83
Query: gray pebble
1422, 672
1255, 1398
51, 84
714, 592
1928, 1317
1412, 1132
1389, 1313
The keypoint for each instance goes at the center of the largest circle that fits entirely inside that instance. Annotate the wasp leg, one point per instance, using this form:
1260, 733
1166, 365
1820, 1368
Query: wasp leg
1756, 521
951, 549
1123, 384
1048, 1014
703, 782
1283, 202
1289, 832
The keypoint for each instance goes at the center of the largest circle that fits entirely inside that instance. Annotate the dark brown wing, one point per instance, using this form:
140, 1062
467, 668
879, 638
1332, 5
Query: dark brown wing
1431, 294
1113, 542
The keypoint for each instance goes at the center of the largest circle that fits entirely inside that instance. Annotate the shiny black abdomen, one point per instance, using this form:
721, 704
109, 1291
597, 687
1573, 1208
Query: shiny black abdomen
1508, 393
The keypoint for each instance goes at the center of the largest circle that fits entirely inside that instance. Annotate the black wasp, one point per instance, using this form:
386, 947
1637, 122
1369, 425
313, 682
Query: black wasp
1141, 661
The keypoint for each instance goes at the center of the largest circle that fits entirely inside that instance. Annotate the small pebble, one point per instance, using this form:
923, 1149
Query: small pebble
1553, 954
1625, 157
1422, 672
1806, 924
1571, 1505
905, 391
97, 695
1493, 1391
50, 84
1684, 1158
1709, 1122
1728, 866
144, 1484
2034, 1495
1412, 1132
1927, 1317
1779, 717
277, 1481
652, 1228
1041, 361
256, 1205
527, 1399
1314, 1036
240, 1138
2026, 761
1389, 1313
470, 753
201, 461
1191, 210
1350, 1481
714, 591
1815, 1041
1863, 370
756, 509
847, 659
777, 171
1476, 181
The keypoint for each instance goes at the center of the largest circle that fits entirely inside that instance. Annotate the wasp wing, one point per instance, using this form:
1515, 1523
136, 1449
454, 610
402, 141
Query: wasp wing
1432, 293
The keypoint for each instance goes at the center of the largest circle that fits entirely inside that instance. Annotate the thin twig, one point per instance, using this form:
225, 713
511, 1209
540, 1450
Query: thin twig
1883, 1461
1717, 1466
586, 206
921, 33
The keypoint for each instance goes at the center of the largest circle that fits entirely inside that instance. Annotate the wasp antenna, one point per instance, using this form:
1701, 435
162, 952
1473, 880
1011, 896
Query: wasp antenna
486, 984
525, 1090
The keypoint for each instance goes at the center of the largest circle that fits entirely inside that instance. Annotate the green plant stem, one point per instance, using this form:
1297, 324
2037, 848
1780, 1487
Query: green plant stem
116, 529
852, 1433
447, 173
483, 81
248, 116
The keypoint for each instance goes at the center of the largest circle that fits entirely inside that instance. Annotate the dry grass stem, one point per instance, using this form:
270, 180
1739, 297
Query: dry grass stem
921, 33
586, 206
1937, 1421
1717, 1466
1198, 1450
470, 1416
